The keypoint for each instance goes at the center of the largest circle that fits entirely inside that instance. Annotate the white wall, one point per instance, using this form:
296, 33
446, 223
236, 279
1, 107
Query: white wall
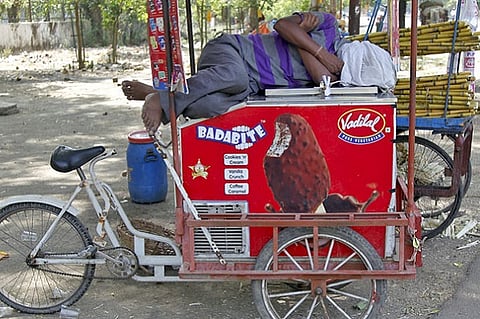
36, 35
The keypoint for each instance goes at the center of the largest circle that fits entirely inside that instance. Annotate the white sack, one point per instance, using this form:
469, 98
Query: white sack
367, 64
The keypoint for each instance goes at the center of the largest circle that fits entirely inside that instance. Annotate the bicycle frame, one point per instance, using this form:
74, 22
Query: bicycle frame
104, 229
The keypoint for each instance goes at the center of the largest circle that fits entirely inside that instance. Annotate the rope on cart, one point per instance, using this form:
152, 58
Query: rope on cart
159, 145
373, 18
417, 244
452, 56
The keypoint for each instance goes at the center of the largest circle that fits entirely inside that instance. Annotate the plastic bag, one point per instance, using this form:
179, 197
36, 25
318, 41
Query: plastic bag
469, 13
366, 64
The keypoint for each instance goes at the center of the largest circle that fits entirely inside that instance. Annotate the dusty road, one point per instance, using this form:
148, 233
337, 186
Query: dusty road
80, 109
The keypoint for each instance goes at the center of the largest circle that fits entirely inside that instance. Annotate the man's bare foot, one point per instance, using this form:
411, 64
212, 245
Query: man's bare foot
152, 112
135, 90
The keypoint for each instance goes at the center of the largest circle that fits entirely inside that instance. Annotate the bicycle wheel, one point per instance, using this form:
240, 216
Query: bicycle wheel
431, 165
447, 143
41, 289
340, 248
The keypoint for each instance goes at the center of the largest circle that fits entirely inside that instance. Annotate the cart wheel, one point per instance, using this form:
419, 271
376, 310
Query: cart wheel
431, 166
340, 248
447, 143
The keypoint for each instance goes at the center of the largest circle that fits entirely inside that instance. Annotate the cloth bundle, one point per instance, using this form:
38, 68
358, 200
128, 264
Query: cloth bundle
367, 64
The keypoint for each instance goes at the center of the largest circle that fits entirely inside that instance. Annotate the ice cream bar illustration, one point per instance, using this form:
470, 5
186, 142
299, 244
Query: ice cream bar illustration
295, 166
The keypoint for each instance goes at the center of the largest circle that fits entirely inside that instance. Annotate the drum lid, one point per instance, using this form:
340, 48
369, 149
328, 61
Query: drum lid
139, 137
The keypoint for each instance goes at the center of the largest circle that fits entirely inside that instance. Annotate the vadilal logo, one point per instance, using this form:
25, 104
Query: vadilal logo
361, 126
241, 137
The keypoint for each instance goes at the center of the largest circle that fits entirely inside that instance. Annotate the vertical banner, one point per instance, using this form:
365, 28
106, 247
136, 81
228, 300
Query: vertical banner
157, 46
394, 33
469, 14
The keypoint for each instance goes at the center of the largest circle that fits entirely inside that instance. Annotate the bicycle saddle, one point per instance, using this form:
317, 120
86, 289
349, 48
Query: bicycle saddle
65, 159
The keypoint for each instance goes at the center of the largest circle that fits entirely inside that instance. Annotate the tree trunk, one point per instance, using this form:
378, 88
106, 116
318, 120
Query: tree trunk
13, 13
115, 40
78, 29
354, 17
201, 25
94, 12
29, 13
333, 8
253, 18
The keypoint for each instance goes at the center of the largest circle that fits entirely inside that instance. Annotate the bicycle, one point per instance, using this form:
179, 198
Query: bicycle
433, 167
52, 257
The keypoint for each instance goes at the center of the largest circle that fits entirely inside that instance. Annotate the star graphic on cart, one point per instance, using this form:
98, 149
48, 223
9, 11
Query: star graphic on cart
199, 170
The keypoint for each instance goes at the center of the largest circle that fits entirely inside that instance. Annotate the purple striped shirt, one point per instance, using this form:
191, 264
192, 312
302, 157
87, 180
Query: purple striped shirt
273, 62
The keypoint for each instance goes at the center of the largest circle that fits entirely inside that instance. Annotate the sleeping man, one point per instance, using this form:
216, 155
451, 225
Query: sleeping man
233, 67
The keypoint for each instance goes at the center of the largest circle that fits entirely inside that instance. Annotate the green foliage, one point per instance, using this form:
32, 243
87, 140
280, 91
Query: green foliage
112, 10
4, 4
122, 10
42, 9
285, 8
270, 8
6, 52
12, 8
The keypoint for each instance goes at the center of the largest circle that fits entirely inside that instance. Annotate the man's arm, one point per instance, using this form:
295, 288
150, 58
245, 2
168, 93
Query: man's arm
315, 68
293, 29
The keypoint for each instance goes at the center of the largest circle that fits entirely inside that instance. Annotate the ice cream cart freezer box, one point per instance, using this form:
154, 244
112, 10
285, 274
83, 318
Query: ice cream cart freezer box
309, 155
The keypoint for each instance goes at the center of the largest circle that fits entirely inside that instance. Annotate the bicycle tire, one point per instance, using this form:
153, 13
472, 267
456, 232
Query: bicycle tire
431, 163
447, 143
41, 289
360, 299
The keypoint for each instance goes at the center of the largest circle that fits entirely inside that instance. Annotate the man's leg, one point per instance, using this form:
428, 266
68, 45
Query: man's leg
221, 82
220, 56
135, 90
208, 106
152, 112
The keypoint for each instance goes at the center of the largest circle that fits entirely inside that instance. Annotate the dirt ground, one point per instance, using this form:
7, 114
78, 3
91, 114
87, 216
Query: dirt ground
60, 105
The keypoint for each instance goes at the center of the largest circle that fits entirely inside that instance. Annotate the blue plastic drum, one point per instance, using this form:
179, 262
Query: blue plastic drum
147, 173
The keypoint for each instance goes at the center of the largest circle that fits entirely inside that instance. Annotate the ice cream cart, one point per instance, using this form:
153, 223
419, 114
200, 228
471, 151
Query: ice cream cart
296, 191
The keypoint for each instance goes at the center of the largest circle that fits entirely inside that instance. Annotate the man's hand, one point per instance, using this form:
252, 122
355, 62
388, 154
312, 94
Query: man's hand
294, 29
330, 61
310, 22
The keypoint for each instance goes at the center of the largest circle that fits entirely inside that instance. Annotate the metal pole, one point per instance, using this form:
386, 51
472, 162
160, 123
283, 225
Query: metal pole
171, 93
452, 57
412, 106
191, 48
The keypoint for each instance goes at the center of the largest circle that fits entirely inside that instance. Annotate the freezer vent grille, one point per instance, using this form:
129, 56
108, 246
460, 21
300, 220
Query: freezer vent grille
233, 241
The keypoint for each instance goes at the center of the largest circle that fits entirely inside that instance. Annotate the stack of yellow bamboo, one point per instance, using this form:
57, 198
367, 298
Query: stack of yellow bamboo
432, 38
431, 96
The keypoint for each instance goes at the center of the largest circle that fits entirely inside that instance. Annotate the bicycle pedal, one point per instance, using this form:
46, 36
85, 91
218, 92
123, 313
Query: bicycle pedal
88, 252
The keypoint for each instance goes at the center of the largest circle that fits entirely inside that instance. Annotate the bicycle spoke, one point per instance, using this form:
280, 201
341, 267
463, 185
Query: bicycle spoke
329, 299
299, 267
295, 306
344, 293
324, 308
329, 254
289, 294
433, 169
309, 253
312, 307
340, 265
340, 283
